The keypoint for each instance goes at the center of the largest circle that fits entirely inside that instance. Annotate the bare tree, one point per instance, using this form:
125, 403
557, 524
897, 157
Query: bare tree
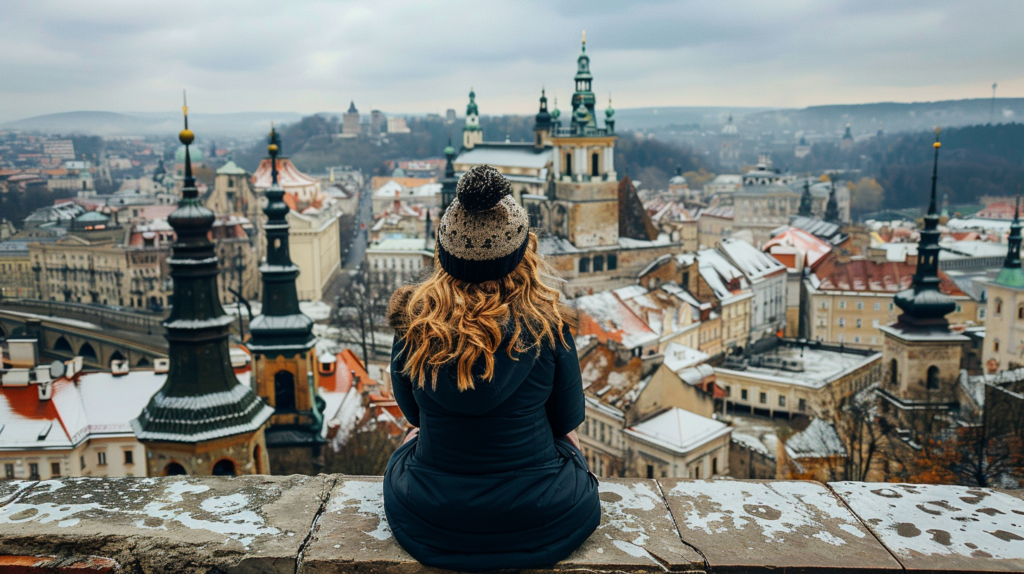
365, 452
361, 308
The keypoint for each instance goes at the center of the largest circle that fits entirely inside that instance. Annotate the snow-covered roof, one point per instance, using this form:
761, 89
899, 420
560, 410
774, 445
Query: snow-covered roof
98, 404
818, 440
717, 272
820, 366
750, 260
502, 155
679, 357
753, 443
678, 430
605, 316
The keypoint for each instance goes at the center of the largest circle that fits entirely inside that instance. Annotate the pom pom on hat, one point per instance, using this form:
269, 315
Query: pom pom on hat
481, 188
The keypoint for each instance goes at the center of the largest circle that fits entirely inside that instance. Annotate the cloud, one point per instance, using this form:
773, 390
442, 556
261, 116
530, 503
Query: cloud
422, 56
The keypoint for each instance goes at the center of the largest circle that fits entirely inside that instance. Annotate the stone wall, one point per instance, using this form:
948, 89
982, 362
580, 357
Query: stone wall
334, 524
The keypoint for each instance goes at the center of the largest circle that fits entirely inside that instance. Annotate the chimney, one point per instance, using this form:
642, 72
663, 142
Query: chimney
161, 366
119, 368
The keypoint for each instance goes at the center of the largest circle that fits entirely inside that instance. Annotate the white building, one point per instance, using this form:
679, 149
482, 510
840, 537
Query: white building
399, 261
680, 444
767, 279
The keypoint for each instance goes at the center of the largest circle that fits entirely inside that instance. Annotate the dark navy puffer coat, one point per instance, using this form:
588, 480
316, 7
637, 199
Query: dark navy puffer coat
486, 484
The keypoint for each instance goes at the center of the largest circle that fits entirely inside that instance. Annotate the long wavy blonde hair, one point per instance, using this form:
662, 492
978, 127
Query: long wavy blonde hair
444, 320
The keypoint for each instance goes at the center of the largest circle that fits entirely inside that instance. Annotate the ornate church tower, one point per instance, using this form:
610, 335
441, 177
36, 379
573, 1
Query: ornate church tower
806, 201
1004, 319
202, 421
922, 356
542, 123
284, 363
449, 181
471, 134
832, 207
585, 185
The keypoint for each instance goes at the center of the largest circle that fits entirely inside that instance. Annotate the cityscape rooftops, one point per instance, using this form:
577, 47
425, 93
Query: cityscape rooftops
523, 155
860, 274
751, 261
810, 248
606, 317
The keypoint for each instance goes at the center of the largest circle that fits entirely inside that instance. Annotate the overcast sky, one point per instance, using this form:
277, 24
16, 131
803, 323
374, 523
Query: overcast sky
422, 56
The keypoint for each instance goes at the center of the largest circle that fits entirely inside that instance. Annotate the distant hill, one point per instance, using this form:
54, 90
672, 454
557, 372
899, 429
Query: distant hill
891, 117
241, 124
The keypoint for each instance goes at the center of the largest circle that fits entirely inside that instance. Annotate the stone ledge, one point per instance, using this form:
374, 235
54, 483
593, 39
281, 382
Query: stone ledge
334, 524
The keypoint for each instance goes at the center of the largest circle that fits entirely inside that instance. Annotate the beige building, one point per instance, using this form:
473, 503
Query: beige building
16, 276
399, 261
315, 240
678, 444
714, 225
764, 207
848, 302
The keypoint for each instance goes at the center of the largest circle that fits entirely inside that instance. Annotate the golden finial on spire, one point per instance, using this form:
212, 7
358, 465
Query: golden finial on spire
185, 136
272, 148
937, 143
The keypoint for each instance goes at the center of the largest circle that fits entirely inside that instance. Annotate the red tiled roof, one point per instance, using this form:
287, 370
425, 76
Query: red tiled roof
877, 277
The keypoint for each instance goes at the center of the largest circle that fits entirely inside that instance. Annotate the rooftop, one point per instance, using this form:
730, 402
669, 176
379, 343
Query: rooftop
810, 365
678, 430
523, 155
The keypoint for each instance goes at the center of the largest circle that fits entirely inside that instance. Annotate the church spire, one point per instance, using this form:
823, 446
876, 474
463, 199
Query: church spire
201, 400
923, 304
832, 207
806, 201
1011, 275
449, 180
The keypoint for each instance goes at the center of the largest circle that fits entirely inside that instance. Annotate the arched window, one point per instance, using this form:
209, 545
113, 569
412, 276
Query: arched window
995, 345
584, 265
284, 391
86, 351
568, 163
1020, 312
224, 467
894, 373
62, 346
999, 306
117, 356
598, 263
933, 378
174, 469
613, 262
594, 167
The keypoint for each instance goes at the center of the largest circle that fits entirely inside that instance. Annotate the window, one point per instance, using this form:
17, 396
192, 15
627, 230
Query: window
860, 305
33, 471
763, 398
933, 378
54, 469
891, 306
995, 345
9, 470
894, 373
1020, 311
728, 390
802, 405
586, 427
696, 471
594, 165
842, 304
584, 264
129, 457
743, 394
598, 263
857, 338
878, 306
874, 323
858, 323
602, 432
999, 306
613, 262
101, 458
842, 322
568, 163
981, 312
650, 471
714, 466
782, 401
284, 391
81, 462
824, 304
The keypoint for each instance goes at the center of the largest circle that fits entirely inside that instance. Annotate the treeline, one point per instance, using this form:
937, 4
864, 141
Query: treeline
310, 143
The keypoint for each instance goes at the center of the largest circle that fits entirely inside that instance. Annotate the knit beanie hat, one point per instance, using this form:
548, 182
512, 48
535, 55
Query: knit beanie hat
483, 234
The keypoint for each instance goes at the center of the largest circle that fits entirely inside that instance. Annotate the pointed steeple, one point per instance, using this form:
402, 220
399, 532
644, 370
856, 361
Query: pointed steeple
923, 304
806, 201
832, 207
1011, 275
583, 100
281, 325
471, 134
201, 400
609, 116
542, 121
449, 180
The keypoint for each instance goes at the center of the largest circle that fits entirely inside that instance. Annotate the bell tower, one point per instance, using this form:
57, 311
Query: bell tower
471, 134
284, 370
202, 421
922, 356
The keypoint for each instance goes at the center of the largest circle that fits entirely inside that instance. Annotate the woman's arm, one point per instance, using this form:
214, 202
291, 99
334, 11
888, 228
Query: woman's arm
401, 385
566, 405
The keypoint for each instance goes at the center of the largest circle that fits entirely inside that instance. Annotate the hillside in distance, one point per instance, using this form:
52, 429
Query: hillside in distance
240, 124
